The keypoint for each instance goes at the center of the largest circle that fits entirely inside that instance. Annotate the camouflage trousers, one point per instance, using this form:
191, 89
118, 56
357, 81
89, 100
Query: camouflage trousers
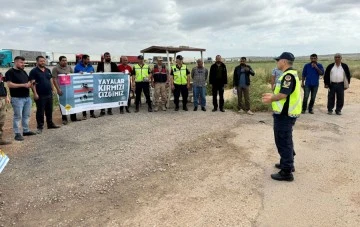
2, 115
160, 94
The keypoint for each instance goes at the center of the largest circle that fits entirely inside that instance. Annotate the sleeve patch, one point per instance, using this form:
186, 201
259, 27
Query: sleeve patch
286, 84
288, 78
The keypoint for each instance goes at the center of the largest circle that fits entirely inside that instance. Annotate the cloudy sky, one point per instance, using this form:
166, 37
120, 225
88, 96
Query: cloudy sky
227, 27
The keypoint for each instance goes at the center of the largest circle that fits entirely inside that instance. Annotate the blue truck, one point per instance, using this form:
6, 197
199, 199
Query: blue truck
7, 57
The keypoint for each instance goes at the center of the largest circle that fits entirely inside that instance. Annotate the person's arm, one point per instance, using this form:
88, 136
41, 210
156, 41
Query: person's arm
7, 99
172, 79
225, 75
303, 77
211, 75
250, 70
327, 76
53, 88
10, 84
193, 73
287, 87
188, 78
100, 67
55, 81
234, 77
319, 69
206, 74
32, 78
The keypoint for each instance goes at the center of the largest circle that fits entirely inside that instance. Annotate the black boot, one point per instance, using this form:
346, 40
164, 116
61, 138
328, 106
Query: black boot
137, 109
283, 176
127, 110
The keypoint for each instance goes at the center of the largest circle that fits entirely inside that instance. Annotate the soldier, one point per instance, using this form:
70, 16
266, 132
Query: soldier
159, 81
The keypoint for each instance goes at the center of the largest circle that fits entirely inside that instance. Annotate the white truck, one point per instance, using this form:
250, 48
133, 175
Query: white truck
53, 58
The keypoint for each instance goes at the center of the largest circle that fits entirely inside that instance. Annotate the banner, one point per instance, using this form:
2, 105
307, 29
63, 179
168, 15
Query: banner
3, 160
91, 91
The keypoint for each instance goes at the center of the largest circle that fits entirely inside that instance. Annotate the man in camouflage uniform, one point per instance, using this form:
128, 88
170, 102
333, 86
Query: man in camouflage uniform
4, 99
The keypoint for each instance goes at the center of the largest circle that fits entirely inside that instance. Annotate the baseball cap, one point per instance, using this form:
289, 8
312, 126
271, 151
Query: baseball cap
159, 58
179, 57
286, 55
140, 57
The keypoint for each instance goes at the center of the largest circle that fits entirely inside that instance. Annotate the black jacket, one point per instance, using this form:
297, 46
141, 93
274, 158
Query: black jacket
100, 67
328, 70
212, 77
237, 74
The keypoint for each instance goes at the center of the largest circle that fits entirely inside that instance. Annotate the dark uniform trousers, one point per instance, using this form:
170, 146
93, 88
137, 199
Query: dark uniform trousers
44, 105
184, 94
215, 90
283, 127
336, 89
139, 88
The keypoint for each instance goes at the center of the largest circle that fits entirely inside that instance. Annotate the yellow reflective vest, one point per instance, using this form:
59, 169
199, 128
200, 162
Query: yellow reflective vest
295, 105
180, 77
141, 73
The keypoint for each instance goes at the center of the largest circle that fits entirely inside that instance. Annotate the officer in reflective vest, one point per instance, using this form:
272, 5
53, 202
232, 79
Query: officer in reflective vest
180, 82
140, 77
286, 105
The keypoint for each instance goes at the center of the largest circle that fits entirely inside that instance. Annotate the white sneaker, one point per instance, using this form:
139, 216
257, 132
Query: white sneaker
241, 111
250, 113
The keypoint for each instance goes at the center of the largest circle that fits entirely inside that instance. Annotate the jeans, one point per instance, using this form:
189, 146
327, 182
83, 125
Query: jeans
307, 90
215, 90
283, 127
338, 91
21, 108
199, 92
240, 92
184, 94
44, 105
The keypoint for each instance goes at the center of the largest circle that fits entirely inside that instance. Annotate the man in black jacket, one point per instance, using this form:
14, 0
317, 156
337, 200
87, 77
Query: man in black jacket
218, 80
241, 82
105, 67
337, 78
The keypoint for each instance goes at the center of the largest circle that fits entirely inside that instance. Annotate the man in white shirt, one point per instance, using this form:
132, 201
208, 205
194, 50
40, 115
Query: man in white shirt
335, 75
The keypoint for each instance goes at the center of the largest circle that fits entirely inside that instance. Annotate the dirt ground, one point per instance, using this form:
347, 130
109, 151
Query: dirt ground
185, 169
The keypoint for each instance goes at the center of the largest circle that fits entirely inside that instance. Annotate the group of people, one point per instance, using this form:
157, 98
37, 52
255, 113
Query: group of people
286, 84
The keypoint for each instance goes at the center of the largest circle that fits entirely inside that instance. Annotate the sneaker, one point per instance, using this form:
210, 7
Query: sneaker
282, 176
338, 112
330, 112
222, 110
164, 108
94, 116
75, 120
29, 133
150, 109
177, 108
127, 110
195, 108
303, 112
203, 108
137, 109
84, 118
18, 137
250, 112
109, 113
121, 111
156, 109
102, 113
65, 122
39, 131
185, 108
4, 142
277, 165
214, 110
241, 111
311, 112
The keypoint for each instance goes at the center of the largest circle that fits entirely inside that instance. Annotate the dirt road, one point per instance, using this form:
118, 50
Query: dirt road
186, 169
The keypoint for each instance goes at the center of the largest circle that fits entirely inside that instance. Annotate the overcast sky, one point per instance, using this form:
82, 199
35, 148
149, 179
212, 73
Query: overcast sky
228, 27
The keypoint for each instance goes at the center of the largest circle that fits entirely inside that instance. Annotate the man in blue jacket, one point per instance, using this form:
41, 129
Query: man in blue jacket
310, 82
84, 66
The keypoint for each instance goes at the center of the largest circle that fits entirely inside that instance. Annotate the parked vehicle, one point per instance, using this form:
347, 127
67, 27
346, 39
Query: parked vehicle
7, 56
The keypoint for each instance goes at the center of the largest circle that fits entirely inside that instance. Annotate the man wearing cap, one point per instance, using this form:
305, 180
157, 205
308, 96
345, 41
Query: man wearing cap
286, 105
124, 67
199, 75
218, 81
159, 80
141, 77
180, 82
337, 79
